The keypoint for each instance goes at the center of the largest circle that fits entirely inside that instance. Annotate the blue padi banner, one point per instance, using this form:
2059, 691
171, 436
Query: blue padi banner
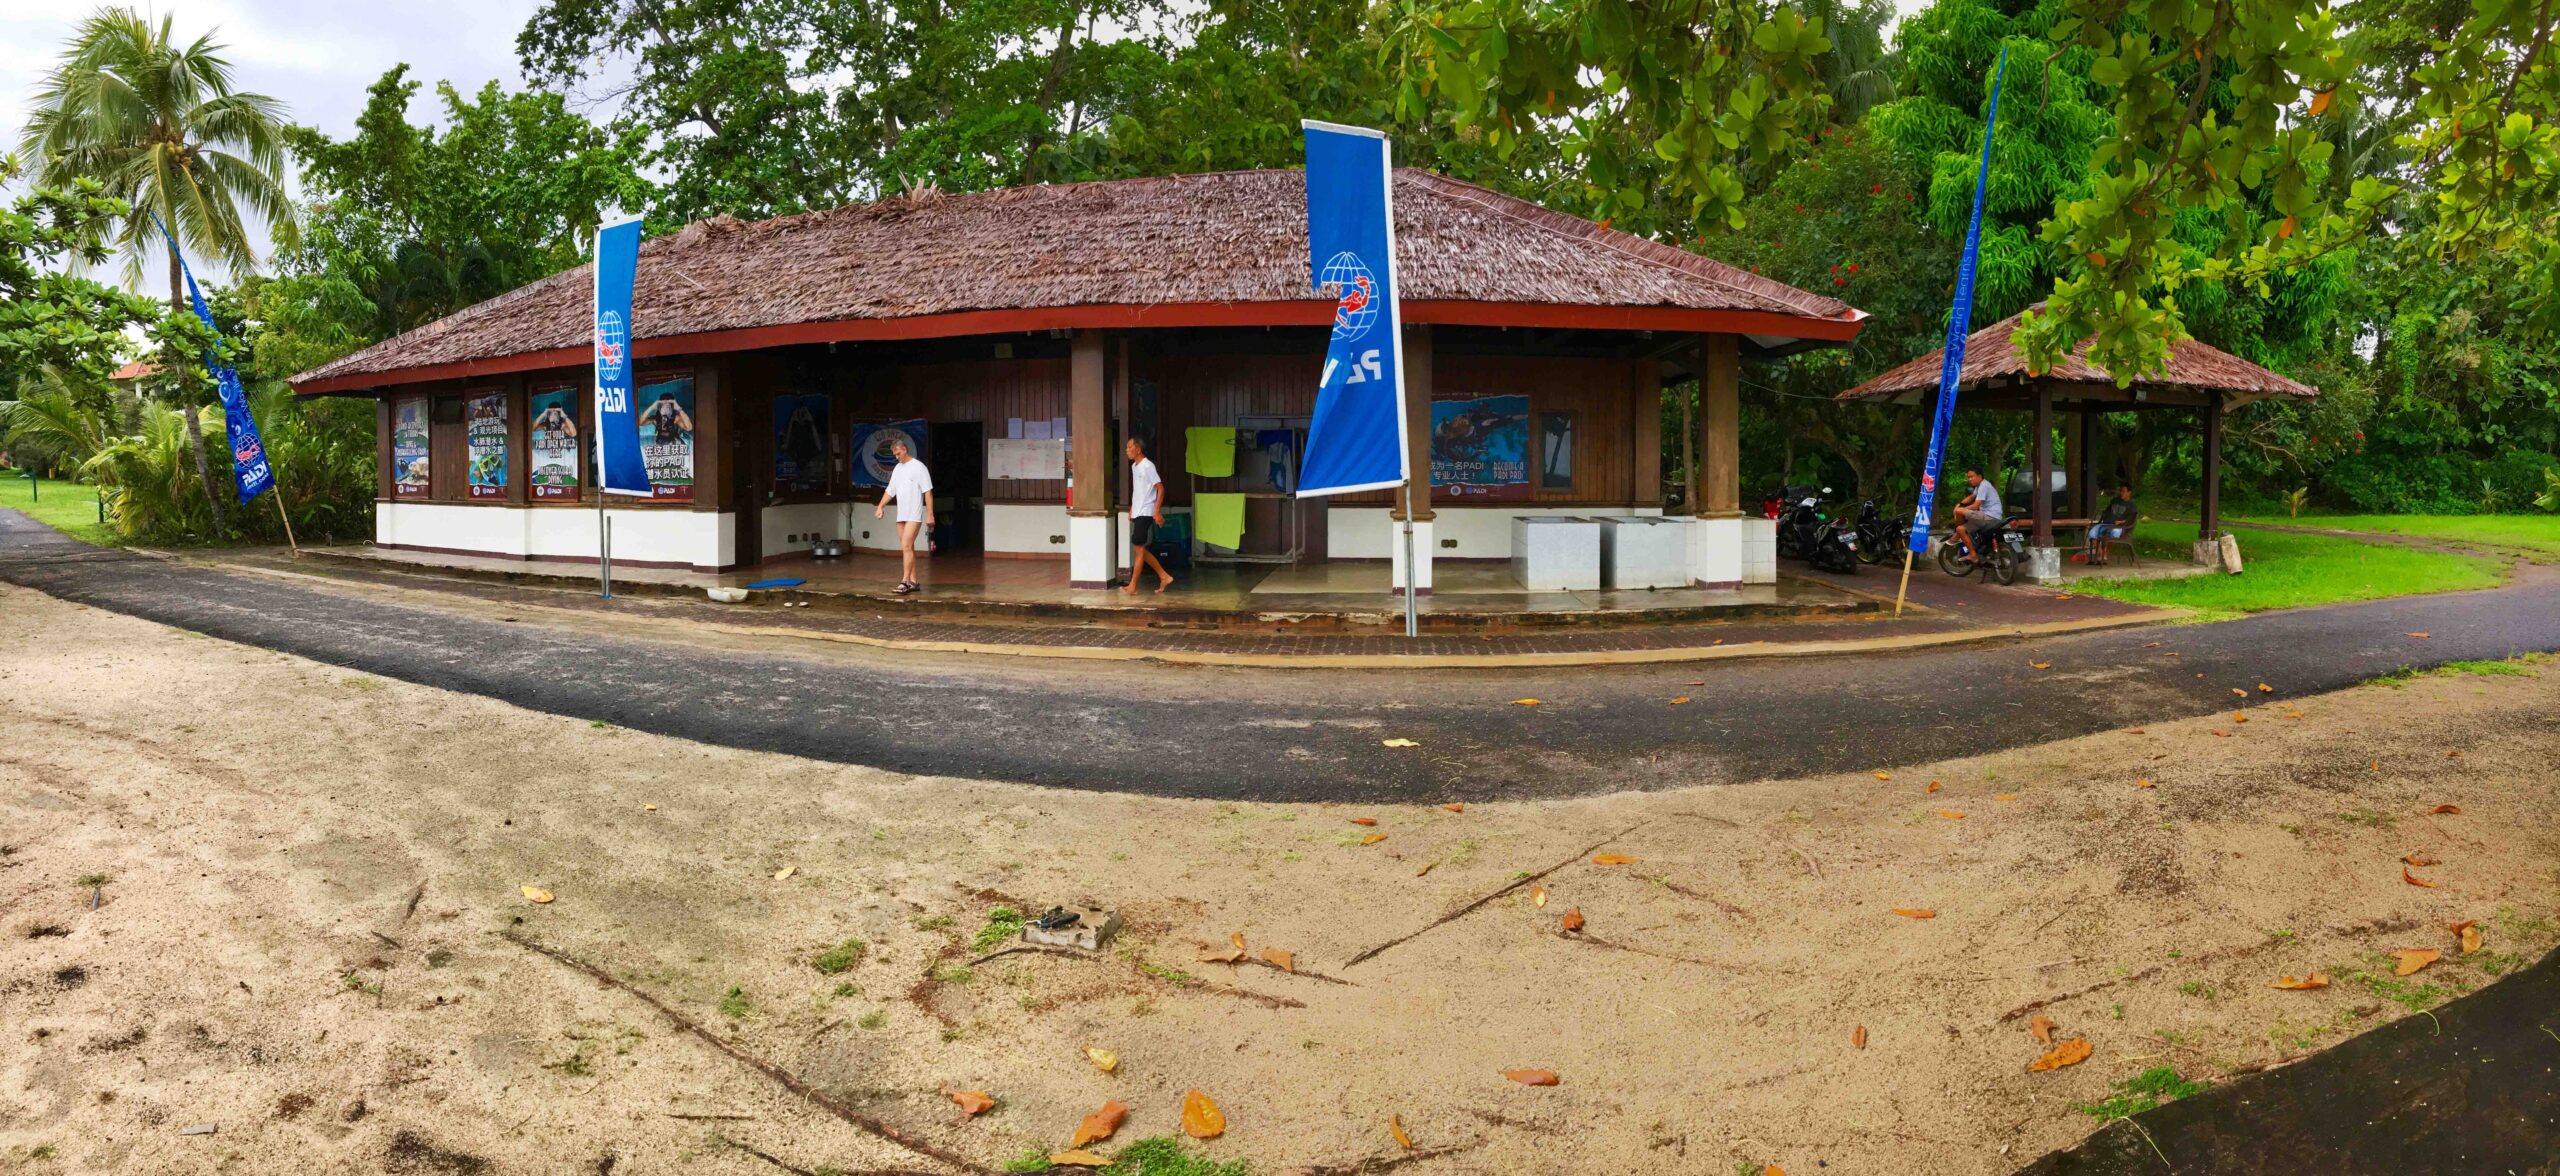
619, 466
1959, 324
1356, 440
249, 465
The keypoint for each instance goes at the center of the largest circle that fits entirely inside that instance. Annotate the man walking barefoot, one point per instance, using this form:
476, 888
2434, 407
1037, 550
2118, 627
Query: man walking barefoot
911, 486
1146, 513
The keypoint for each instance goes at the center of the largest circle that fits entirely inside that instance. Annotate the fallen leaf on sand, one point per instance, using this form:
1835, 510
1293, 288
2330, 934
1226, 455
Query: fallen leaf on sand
1099, 1125
1916, 912
1884, 775
1395, 1127
972, 1102
2041, 1028
1858, 1037
1426, 868
1702, 681
1683, 700
2240, 692
2263, 688
1573, 919
1531, 1077
1537, 896
2469, 930
2040, 665
2413, 959
2293, 714
2222, 734
2237, 717
2144, 784
1201, 1118
1373, 839
2447, 809
785, 872
1398, 743
2420, 636
1102, 1059
2298, 984
1455, 808
2137, 731
1364, 820
648, 808
2453, 755
1220, 955
2006, 796
1933, 786
2151, 645
1524, 702
1612, 859
2413, 879
1951, 814
535, 894
2417, 859
1236, 938
1285, 961
1772, 1170
2069, 1053
1079, 1158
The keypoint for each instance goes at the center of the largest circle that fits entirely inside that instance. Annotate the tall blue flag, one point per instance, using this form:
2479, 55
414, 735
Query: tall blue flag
249, 465
1356, 439
619, 469
1959, 324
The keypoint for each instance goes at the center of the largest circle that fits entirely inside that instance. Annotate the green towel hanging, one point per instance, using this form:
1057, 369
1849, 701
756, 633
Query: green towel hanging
1209, 451
1220, 518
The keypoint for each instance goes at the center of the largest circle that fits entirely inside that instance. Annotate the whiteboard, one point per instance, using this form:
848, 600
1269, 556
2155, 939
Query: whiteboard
1009, 459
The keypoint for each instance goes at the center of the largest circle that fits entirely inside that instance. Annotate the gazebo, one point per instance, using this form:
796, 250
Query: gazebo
2198, 378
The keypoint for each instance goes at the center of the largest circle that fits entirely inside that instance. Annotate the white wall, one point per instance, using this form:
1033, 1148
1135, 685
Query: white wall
695, 539
803, 518
1481, 532
1037, 528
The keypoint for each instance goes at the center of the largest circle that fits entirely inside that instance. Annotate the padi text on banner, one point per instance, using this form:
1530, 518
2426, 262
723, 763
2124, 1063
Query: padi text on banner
620, 468
1355, 440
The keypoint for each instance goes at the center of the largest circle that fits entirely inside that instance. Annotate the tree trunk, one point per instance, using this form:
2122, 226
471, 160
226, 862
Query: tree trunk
195, 423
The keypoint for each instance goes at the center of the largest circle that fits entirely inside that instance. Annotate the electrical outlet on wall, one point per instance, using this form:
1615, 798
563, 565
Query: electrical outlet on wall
1449, 543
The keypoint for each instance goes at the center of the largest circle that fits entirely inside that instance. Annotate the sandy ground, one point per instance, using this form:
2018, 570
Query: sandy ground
312, 877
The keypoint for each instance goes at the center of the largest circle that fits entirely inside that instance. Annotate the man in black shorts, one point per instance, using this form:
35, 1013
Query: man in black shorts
1146, 513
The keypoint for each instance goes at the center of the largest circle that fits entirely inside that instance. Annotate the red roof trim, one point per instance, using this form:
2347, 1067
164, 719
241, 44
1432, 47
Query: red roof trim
1198, 314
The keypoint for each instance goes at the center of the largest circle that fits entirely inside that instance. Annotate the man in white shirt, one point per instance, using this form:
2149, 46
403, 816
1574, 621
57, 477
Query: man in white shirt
911, 487
1146, 513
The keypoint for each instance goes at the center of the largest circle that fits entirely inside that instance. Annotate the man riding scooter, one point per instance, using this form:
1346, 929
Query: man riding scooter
1980, 510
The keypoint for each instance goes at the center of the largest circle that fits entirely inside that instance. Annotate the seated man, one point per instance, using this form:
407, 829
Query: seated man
1980, 511
2114, 522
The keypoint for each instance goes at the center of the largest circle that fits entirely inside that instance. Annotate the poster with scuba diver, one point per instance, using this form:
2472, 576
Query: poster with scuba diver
666, 437
484, 433
1480, 448
552, 437
409, 469
800, 444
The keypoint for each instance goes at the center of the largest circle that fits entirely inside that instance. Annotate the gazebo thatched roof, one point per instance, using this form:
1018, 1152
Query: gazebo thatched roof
1995, 375
1225, 249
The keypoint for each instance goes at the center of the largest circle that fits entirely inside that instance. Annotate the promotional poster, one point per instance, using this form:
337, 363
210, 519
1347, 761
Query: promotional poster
1480, 448
552, 434
409, 447
666, 437
485, 431
871, 459
800, 444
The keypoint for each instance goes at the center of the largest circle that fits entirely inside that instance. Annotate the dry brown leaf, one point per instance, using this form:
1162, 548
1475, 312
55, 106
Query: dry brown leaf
2040, 665
1373, 839
2469, 930
2240, 692
2238, 717
2041, 1028
972, 1102
1573, 919
1364, 820
1951, 814
2417, 859
1102, 1059
1455, 807
1934, 786
1395, 1127
1612, 859
1858, 1037
1236, 938
1683, 700
2138, 731
2453, 755
2447, 809
1220, 955
2222, 734
2263, 688
1099, 1125
1078, 1158
648, 808
2304, 983
1772, 1170
1283, 960
2006, 796
1916, 912
535, 894
2413, 879
1201, 1118
1524, 702
1884, 775
2069, 1053
785, 872
2144, 784
1426, 868
1398, 743
1531, 1077
1537, 896
2412, 959
2293, 714
2421, 636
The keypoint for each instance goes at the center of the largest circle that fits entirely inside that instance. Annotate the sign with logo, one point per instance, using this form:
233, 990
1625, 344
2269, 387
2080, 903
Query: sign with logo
666, 437
249, 466
485, 431
551, 435
620, 468
872, 460
800, 444
1355, 441
409, 468
1480, 448
1959, 324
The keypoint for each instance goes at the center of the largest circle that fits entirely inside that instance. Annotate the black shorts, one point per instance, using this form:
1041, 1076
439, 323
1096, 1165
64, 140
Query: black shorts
1141, 532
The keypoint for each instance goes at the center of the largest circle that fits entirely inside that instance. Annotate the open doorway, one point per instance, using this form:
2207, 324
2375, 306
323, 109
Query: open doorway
959, 464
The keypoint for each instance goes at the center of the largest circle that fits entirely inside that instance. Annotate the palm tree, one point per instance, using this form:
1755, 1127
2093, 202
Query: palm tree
160, 126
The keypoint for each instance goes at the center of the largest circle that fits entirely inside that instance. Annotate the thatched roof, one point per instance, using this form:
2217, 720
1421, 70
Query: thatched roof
939, 264
1994, 363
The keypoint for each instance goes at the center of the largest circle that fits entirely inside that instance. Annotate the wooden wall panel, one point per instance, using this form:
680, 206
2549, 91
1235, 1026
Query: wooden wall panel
988, 391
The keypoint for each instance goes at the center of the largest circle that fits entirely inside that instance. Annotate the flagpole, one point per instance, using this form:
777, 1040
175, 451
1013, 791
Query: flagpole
286, 519
1900, 592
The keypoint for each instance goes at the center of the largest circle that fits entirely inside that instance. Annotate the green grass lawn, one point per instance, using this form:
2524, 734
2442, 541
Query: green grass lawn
68, 507
2287, 570
2539, 534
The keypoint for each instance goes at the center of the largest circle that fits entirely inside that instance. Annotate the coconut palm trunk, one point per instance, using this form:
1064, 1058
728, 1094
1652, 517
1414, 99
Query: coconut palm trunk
193, 417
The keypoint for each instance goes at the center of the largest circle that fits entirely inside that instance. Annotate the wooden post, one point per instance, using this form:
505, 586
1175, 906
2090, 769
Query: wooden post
2041, 495
1644, 434
1418, 362
1720, 428
2210, 526
1088, 425
1689, 448
2086, 494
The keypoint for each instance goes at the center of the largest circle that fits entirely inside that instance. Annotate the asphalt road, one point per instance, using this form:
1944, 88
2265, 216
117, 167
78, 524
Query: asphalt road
1301, 735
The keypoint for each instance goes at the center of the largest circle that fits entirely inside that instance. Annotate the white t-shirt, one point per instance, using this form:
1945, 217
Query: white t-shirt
1144, 489
908, 484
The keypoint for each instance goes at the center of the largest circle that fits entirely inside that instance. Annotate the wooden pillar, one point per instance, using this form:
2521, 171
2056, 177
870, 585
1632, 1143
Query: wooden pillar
382, 476
2210, 526
1644, 432
1417, 424
519, 438
2082, 461
714, 422
2041, 495
1089, 425
1720, 427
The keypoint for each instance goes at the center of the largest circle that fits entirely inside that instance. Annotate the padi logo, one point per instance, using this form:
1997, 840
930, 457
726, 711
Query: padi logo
1354, 290
1928, 483
611, 345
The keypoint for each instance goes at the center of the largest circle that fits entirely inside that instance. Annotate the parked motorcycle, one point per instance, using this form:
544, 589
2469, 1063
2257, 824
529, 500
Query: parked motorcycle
2003, 551
1879, 537
1809, 533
